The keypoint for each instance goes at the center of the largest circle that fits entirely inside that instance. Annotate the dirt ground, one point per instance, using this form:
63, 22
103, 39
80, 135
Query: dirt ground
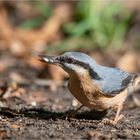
33, 111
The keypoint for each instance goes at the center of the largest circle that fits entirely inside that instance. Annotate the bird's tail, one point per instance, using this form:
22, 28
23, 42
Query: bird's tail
136, 87
136, 81
135, 84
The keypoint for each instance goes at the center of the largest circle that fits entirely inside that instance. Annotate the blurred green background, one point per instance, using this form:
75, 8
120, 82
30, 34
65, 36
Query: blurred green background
94, 23
108, 30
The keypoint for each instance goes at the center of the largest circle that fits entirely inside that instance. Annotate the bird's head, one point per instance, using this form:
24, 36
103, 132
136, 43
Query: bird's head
71, 62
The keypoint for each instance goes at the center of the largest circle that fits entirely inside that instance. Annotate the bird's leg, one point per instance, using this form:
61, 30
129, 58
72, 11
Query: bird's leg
71, 113
118, 116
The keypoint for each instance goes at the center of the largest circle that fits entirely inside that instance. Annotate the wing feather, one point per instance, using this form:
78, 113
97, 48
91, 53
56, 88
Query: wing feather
114, 80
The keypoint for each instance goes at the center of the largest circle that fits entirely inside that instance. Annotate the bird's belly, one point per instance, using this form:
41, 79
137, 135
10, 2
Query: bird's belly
114, 101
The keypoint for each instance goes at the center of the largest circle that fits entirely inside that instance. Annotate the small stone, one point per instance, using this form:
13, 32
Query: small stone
33, 103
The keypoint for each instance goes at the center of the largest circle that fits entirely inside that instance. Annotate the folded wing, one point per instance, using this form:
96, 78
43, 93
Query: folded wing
113, 80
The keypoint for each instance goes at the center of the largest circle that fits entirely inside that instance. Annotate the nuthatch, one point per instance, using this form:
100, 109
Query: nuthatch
95, 86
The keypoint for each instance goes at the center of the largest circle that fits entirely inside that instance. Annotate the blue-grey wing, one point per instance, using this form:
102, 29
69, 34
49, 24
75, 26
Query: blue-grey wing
113, 80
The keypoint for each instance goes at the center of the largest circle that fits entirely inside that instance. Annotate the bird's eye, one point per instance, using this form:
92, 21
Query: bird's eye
62, 59
70, 60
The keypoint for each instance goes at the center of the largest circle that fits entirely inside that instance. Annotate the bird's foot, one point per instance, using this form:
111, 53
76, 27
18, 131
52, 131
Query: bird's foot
68, 115
71, 114
108, 121
113, 122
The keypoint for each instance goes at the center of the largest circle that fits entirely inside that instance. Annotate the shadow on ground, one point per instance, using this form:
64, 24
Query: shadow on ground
40, 113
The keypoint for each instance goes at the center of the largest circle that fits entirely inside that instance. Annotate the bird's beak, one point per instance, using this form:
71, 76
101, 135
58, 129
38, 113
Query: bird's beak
48, 59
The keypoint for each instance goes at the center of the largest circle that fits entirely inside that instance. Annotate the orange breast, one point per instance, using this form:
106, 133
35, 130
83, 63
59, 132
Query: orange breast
85, 91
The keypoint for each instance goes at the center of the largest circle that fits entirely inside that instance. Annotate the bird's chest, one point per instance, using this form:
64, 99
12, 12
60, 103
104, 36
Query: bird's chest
85, 91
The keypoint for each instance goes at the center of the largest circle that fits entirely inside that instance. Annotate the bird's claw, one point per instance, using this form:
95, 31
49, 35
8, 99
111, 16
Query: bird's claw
108, 121
71, 113
112, 122
68, 115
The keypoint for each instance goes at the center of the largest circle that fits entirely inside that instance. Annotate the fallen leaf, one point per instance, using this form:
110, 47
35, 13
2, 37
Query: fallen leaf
14, 126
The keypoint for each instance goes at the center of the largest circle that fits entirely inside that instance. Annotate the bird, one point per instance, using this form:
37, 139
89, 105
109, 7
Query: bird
93, 85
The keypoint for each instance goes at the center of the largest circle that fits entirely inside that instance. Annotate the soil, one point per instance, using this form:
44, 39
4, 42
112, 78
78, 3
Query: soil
36, 112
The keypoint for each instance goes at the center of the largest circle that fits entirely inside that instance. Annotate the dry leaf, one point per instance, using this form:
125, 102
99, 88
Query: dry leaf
129, 62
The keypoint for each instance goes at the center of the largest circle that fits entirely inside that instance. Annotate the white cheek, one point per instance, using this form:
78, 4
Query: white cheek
70, 68
79, 70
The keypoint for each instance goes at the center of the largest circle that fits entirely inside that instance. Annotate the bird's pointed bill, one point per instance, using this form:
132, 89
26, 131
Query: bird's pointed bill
48, 59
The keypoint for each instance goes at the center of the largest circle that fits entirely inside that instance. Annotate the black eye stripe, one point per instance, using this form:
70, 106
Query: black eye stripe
84, 65
70, 60
91, 71
66, 59
61, 59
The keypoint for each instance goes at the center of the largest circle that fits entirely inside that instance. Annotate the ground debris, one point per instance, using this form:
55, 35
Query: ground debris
44, 121
11, 90
97, 135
